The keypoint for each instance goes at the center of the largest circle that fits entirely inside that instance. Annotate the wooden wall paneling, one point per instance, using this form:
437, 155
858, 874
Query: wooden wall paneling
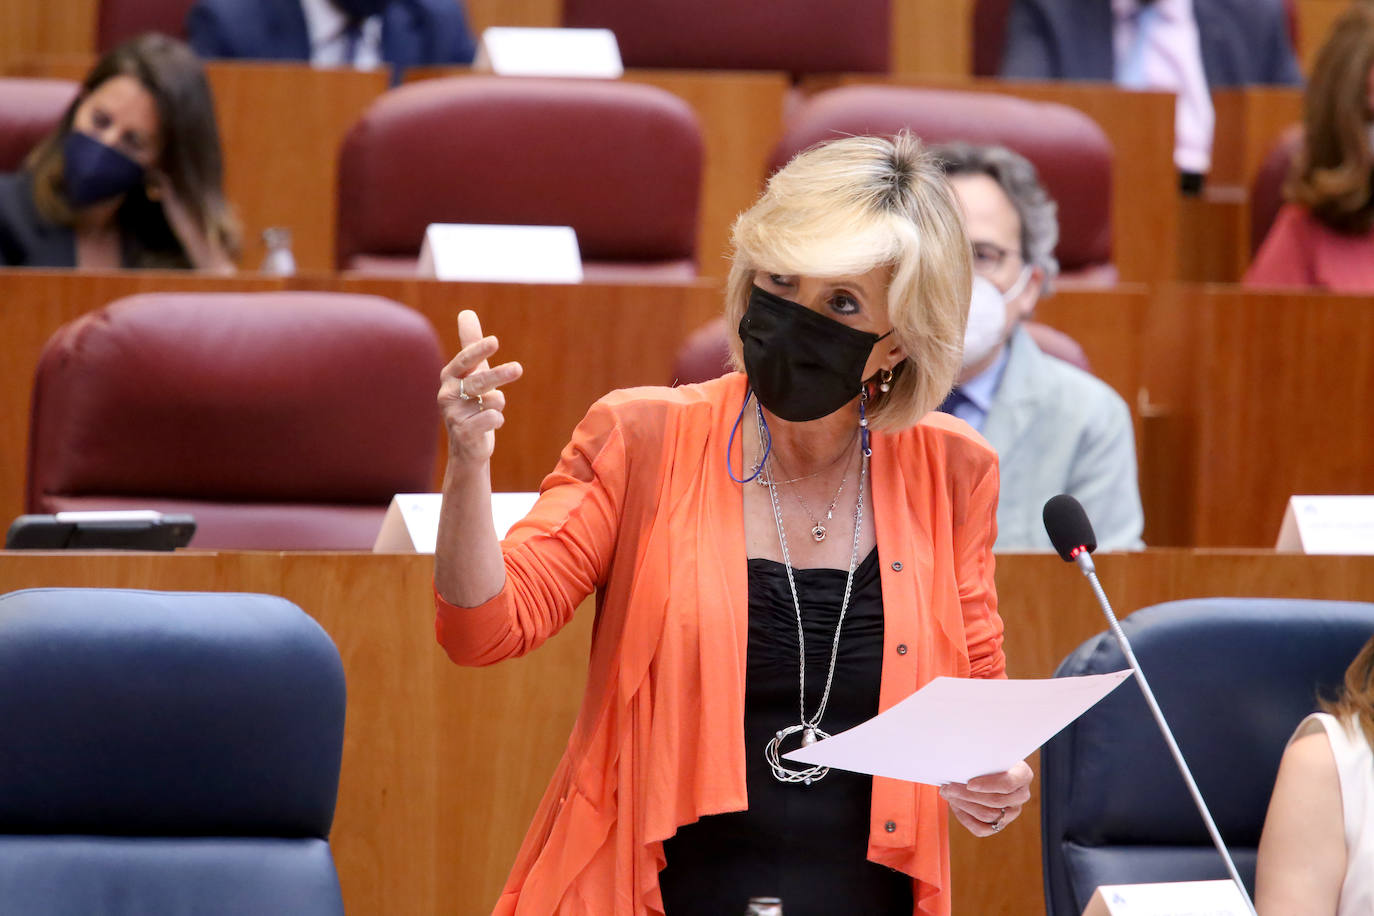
1214, 235
443, 766
1249, 121
1167, 421
483, 14
1285, 406
1315, 19
52, 27
932, 38
282, 126
741, 120
1140, 126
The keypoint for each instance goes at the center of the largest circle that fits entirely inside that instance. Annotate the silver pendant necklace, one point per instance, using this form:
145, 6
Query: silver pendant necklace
810, 728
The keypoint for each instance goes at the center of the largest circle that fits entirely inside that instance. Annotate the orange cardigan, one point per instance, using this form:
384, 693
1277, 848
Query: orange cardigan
641, 510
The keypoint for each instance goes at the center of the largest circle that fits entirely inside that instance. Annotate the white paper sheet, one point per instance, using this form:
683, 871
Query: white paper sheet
954, 729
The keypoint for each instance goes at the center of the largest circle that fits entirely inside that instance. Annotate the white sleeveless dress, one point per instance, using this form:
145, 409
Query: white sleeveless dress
1355, 766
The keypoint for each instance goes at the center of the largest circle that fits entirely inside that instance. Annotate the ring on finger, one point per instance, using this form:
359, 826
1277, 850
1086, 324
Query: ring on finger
464, 396
1001, 821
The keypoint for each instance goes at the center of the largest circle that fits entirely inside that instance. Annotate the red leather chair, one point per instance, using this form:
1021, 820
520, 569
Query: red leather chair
1069, 150
29, 110
1266, 190
121, 20
989, 35
798, 36
279, 420
706, 353
619, 162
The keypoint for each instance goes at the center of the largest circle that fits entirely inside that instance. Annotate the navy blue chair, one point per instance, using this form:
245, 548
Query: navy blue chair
1234, 677
166, 752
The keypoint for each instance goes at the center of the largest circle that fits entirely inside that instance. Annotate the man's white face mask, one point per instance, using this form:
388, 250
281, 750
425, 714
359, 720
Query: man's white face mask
987, 317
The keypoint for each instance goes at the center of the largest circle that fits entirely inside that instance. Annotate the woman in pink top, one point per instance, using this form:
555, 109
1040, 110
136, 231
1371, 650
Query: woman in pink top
1324, 236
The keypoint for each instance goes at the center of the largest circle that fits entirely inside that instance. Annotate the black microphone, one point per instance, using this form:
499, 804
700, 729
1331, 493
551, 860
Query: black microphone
1072, 536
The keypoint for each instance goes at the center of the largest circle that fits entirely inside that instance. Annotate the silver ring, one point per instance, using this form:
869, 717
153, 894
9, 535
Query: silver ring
464, 396
1001, 821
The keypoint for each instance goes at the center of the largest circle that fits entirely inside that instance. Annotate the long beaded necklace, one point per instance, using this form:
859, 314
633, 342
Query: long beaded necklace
810, 727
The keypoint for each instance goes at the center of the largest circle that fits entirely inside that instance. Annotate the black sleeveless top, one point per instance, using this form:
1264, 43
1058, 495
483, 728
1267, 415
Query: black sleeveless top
804, 844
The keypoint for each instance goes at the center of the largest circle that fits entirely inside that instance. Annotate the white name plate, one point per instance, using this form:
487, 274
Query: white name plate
1328, 524
587, 53
501, 254
411, 524
1177, 898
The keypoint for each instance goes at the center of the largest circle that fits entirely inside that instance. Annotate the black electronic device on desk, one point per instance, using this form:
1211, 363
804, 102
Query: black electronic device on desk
115, 530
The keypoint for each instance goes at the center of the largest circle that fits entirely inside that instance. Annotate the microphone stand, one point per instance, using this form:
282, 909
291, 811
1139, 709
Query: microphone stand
1084, 561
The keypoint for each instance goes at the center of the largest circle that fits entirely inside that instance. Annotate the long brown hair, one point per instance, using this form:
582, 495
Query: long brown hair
1333, 175
1356, 702
172, 74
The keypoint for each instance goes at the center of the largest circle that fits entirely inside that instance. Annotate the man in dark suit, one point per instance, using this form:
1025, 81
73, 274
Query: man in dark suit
1242, 41
361, 33
1188, 47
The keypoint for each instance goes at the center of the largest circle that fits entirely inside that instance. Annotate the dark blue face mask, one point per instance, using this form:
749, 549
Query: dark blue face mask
801, 364
92, 171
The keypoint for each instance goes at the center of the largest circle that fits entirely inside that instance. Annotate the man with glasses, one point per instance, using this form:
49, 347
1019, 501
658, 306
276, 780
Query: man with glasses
1056, 428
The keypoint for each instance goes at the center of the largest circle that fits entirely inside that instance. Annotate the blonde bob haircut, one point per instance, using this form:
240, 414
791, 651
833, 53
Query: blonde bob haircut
847, 207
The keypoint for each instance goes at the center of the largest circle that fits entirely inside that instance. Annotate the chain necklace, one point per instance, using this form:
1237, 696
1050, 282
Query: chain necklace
764, 481
810, 727
818, 531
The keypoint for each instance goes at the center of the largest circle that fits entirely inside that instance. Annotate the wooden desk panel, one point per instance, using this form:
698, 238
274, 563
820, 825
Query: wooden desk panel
443, 766
1249, 123
1261, 395
1140, 126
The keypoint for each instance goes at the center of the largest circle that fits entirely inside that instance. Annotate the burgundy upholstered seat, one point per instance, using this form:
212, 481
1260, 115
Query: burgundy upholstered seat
1069, 150
279, 420
121, 20
705, 354
797, 36
29, 110
619, 162
1266, 191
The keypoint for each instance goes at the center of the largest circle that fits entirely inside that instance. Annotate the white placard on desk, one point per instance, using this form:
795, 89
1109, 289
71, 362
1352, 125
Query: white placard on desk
501, 254
1328, 524
411, 524
589, 53
1177, 898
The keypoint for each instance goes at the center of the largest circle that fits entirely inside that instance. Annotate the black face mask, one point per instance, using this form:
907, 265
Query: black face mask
801, 364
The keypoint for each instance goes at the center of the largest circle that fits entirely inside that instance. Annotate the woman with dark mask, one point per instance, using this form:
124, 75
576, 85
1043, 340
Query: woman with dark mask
132, 175
777, 555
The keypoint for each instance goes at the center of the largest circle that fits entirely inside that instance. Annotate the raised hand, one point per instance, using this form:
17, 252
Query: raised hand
469, 397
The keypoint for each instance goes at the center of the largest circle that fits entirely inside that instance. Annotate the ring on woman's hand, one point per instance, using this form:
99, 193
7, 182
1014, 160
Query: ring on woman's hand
464, 396
1001, 821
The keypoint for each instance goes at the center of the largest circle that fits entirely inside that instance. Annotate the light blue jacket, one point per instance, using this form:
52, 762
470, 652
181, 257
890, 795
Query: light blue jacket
1058, 429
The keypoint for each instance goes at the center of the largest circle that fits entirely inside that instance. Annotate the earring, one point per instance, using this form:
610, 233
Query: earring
884, 380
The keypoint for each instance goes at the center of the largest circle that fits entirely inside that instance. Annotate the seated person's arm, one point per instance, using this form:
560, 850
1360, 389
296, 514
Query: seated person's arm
1104, 478
1302, 851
